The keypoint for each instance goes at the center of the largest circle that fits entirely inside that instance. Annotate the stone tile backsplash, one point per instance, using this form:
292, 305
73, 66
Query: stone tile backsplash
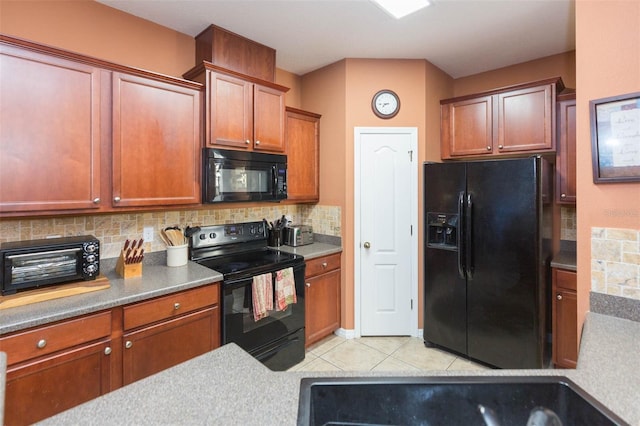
615, 262
113, 229
568, 223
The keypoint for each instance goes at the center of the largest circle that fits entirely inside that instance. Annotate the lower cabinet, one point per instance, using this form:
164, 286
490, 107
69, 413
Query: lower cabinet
565, 319
322, 298
54, 367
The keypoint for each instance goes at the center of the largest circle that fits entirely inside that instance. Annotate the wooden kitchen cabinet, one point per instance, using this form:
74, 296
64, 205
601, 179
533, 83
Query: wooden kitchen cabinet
565, 319
241, 112
50, 110
322, 297
566, 153
55, 367
303, 155
166, 331
156, 142
501, 122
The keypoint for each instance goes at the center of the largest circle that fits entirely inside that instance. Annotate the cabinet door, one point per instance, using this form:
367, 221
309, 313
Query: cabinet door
156, 143
229, 109
322, 305
469, 127
303, 156
526, 119
565, 319
37, 390
566, 162
268, 116
158, 347
50, 133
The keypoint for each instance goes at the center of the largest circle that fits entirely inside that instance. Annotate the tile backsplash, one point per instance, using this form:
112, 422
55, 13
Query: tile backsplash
615, 262
568, 223
113, 229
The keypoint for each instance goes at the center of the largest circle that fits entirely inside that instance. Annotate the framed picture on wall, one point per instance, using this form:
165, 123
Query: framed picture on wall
615, 138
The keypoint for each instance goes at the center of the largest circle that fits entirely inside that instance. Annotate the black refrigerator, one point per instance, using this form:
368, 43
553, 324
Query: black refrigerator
486, 261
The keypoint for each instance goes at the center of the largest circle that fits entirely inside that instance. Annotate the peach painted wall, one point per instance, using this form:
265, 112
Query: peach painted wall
608, 64
91, 28
561, 65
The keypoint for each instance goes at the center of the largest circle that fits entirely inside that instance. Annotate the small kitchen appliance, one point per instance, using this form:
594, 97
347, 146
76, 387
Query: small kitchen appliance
37, 263
298, 235
232, 176
240, 252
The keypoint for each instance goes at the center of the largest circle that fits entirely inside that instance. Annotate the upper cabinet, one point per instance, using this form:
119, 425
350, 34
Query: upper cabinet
241, 112
566, 153
83, 135
303, 155
156, 142
50, 138
501, 122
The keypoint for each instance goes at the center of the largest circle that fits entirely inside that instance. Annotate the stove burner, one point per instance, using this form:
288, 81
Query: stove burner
236, 266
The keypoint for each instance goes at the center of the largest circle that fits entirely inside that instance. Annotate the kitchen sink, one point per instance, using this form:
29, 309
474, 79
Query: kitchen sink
486, 400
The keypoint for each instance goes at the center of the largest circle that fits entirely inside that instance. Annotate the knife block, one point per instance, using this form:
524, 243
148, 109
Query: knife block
128, 270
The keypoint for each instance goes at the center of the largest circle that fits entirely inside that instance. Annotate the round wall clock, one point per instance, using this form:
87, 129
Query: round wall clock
385, 104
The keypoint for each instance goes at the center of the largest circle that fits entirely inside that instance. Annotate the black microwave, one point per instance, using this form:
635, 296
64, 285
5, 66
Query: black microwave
232, 176
37, 263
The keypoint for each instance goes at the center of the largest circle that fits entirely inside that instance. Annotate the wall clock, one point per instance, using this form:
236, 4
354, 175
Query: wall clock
385, 104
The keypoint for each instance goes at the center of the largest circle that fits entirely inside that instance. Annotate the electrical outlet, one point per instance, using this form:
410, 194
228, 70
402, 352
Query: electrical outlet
147, 234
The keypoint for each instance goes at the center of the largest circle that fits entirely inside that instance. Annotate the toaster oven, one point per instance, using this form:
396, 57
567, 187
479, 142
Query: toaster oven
36, 263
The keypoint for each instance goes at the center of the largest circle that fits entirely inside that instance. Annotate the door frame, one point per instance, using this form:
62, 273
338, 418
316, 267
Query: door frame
413, 132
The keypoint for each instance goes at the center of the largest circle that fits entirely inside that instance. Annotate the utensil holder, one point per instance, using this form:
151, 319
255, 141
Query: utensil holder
177, 255
275, 237
128, 270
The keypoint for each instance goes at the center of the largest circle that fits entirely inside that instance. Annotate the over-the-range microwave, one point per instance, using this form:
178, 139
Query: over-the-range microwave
232, 176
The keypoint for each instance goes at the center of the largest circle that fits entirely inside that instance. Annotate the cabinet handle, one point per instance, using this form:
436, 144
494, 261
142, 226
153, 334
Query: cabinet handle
324, 264
96, 200
107, 350
257, 142
176, 306
248, 142
563, 195
488, 148
308, 284
500, 146
559, 296
41, 343
128, 344
116, 199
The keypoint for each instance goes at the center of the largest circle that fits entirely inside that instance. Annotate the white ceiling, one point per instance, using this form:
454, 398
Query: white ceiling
461, 37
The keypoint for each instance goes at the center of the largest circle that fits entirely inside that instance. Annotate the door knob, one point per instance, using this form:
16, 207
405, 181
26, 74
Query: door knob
367, 244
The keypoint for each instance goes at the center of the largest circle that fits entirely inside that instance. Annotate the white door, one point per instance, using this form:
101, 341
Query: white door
386, 244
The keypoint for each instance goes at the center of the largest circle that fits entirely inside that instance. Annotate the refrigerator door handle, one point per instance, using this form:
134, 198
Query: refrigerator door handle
468, 237
459, 232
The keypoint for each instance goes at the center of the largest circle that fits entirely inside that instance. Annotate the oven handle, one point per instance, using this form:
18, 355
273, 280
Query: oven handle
271, 352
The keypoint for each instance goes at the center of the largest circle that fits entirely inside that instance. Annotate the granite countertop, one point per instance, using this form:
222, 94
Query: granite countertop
312, 251
157, 279
228, 386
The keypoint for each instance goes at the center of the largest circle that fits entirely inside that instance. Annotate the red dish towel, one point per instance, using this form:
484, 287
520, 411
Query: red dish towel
285, 289
262, 295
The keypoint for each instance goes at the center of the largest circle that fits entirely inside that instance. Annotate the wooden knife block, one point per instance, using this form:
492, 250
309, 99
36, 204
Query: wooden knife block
128, 270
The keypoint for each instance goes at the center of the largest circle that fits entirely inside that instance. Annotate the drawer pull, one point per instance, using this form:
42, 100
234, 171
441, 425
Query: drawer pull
128, 344
176, 306
41, 343
324, 264
107, 350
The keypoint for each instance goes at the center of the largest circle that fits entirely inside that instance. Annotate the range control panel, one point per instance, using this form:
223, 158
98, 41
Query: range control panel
218, 235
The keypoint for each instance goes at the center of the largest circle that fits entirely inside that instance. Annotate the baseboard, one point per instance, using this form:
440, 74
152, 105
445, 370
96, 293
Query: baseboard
347, 334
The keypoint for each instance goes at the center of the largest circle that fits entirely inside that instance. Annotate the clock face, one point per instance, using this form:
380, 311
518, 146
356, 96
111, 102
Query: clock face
385, 104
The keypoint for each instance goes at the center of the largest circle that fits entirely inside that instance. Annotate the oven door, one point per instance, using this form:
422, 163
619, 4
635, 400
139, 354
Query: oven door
239, 326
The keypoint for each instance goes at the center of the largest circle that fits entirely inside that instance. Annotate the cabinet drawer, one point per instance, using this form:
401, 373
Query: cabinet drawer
48, 339
566, 279
321, 265
169, 306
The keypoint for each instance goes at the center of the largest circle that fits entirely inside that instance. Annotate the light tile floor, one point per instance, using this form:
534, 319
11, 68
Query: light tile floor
379, 354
